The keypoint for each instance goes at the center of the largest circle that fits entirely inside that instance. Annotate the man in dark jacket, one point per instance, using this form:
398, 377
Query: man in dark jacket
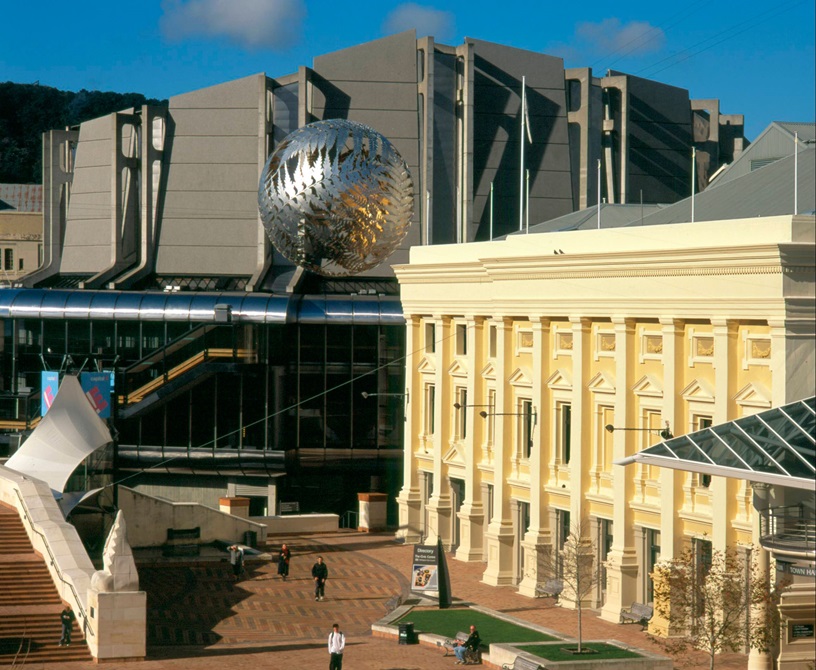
67, 619
471, 644
320, 573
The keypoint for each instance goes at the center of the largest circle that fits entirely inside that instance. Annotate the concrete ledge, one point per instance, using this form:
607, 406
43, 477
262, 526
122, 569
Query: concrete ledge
289, 524
507, 653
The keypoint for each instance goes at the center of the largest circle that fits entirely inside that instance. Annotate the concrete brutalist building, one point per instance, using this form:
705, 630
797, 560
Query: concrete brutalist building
151, 222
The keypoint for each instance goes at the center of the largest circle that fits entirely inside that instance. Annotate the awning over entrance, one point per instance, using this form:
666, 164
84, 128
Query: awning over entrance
777, 446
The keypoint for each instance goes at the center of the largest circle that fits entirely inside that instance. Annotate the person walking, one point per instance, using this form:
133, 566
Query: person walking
283, 561
237, 561
320, 573
337, 642
67, 617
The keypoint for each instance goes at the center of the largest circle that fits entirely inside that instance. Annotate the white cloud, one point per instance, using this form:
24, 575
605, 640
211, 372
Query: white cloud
426, 21
255, 24
610, 35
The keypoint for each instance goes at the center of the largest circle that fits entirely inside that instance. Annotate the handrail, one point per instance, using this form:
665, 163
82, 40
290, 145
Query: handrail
27, 517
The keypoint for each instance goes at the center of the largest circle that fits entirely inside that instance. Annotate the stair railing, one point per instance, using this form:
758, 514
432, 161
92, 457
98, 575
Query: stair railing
27, 516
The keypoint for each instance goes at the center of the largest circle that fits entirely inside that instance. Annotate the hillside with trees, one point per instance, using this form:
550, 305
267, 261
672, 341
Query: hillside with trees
28, 110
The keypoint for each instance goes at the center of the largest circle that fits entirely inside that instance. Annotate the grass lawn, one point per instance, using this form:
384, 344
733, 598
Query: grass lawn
448, 622
553, 652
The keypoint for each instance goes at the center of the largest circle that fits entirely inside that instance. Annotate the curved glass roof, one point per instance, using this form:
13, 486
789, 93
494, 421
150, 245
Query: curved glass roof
777, 446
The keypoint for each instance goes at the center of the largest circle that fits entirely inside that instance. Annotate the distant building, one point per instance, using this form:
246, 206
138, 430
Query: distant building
20, 230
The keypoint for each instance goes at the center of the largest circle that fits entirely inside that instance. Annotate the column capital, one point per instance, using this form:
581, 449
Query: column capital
671, 322
580, 322
473, 319
621, 322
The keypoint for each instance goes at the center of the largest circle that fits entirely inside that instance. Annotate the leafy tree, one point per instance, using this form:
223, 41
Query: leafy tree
575, 566
29, 110
715, 607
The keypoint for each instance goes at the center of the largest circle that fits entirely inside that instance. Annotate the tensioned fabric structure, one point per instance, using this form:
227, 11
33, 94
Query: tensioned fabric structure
777, 446
70, 432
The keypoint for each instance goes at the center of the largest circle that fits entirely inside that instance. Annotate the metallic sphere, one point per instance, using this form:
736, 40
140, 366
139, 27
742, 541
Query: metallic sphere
336, 198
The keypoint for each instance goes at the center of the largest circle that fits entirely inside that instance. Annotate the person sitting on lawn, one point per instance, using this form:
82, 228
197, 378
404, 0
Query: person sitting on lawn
472, 645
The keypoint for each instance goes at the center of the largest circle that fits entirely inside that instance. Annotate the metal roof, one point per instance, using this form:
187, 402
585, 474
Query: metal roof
612, 216
199, 307
21, 197
765, 192
776, 446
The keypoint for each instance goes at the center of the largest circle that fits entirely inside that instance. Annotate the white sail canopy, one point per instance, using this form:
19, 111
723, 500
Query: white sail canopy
67, 434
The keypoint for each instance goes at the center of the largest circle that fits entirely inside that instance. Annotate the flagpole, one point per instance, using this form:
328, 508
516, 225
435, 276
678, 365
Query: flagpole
599, 194
491, 210
693, 179
521, 141
527, 211
795, 173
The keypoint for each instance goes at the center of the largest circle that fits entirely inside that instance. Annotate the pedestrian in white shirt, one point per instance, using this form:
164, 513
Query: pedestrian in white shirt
337, 642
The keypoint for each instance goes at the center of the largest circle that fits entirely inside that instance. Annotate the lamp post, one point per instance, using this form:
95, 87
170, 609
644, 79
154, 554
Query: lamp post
666, 433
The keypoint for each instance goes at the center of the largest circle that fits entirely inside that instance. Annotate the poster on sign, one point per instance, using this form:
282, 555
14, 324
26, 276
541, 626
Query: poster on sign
97, 389
49, 385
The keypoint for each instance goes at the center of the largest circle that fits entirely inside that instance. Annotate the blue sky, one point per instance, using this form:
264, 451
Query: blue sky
756, 57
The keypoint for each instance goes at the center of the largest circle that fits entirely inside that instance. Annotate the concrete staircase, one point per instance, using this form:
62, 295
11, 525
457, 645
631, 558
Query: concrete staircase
29, 603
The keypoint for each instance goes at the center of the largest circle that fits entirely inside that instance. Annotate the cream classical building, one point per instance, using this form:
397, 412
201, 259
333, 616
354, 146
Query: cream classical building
521, 353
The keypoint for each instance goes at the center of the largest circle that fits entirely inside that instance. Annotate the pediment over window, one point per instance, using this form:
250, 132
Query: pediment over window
454, 456
753, 395
602, 383
489, 371
458, 369
699, 390
521, 377
648, 386
426, 366
560, 380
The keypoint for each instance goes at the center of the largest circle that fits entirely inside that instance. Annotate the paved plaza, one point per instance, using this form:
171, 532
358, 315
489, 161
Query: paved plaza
199, 619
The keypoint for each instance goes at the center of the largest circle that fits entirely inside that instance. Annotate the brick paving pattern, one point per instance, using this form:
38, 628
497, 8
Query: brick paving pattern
199, 619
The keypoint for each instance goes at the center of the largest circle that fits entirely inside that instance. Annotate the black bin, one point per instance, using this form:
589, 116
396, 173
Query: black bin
251, 538
406, 633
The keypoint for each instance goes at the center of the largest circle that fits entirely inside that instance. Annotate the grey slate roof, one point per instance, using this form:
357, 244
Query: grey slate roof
764, 192
773, 143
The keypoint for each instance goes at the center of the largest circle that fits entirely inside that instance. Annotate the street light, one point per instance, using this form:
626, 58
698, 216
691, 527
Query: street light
367, 395
666, 433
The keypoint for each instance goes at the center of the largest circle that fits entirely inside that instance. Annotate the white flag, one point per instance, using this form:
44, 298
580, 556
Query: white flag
526, 112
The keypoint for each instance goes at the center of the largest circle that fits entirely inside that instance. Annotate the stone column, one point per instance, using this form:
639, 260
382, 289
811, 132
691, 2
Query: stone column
622, 560
671, 481
499, 536
409, 499
439, 506
471, 514
723, 489
537, 540
760, 660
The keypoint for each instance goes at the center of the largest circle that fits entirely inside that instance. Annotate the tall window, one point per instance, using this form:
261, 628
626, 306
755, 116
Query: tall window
562, 522
461, 339
564, 431
653, 553
527, 424
430, 403
430, 338
461, 413
492, 339
8, 259
704, 422
605, 546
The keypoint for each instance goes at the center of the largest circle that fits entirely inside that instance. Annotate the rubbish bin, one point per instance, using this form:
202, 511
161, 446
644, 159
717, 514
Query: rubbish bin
251, 538
406, 633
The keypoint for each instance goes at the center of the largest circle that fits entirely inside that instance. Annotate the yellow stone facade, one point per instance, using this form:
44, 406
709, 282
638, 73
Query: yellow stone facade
522, 351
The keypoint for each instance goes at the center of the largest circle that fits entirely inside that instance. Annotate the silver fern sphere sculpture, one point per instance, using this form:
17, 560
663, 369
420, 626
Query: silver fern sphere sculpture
336, 198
